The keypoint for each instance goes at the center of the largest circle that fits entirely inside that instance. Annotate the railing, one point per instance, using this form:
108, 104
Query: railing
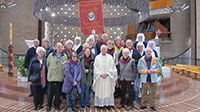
157, 4
4, 57
183, 58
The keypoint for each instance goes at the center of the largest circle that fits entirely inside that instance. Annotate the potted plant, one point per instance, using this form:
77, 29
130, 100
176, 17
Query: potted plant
20, 68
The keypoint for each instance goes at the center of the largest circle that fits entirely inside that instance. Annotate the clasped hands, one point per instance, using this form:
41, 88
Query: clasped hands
150, 71
104, 76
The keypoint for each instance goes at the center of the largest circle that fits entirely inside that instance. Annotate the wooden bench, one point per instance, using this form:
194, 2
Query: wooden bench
186, 69
1, 68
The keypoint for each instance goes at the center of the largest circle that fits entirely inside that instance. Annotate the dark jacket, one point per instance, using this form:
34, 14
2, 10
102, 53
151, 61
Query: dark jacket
136, 42
136, 55
87, 78
31, 53
34, 68
48, 50
98, 46
79, 49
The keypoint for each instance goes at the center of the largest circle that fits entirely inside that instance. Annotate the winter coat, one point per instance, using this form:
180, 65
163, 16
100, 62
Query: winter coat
31, 53
69, 77
127, 71
142, 69
56, 68
87, 78
35, 68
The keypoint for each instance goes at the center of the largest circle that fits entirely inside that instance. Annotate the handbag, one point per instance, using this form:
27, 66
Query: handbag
35, 77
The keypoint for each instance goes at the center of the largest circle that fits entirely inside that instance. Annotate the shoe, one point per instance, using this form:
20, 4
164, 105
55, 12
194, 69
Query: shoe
35, 108
120, 106
129, 107
88, 106
30, 94
75, 109
40, 107
143, 107
134, 104
108, 107
48, 109
57, 108
153, 108
69, 109
82, 107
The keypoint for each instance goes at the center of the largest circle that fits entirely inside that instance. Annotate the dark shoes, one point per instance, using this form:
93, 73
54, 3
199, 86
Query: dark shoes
143, 107
30, 94
120, 106
48, 109
35, 108
57, 108
153, 108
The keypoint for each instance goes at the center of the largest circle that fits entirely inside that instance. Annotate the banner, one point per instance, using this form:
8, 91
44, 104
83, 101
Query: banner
91, 17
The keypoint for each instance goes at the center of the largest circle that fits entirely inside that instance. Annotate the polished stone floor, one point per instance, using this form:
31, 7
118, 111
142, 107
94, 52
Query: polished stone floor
175, 93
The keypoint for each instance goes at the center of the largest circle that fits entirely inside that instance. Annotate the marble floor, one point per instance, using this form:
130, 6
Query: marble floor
175, 93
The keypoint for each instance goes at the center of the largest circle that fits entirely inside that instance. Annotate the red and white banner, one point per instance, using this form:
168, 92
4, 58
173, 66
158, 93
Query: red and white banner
91, 16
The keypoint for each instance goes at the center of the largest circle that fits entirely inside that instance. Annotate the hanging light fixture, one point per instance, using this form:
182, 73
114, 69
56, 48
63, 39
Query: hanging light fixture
177, 7
7, 3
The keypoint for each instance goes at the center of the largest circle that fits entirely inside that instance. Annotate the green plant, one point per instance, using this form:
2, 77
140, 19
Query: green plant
160, 74
20, 66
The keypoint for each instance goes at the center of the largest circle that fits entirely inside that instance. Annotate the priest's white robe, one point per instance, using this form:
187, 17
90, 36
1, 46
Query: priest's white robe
104, 88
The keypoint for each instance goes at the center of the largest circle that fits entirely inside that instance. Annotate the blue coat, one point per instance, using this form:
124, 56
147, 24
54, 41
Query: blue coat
69, 77
142, 69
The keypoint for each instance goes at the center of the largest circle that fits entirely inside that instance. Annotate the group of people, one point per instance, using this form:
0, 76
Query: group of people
105, 67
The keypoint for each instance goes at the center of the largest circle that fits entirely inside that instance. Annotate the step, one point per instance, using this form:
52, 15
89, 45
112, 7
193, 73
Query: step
15, 95
173, 90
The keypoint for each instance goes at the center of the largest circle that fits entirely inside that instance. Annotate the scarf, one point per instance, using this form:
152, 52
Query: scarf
90, 58
111, 51
122, 60
118, 47
130, 48
74, 62
43, 74
68, 50
102, 42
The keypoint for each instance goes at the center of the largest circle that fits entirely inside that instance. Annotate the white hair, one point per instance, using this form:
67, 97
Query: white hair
104, 35
140, 44
140, 35
104, 46
69, 41
154, 44
39, 49
90, 37
129, 40
125, 50
77, 38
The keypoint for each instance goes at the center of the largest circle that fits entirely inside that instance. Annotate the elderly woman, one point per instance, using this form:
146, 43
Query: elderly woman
71, 85
68, 48
140, 38
127, 76
151, 44
37, 75
87, 61
140, 47
91, 41
111, 51
77, 46
118, 47
45, 44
